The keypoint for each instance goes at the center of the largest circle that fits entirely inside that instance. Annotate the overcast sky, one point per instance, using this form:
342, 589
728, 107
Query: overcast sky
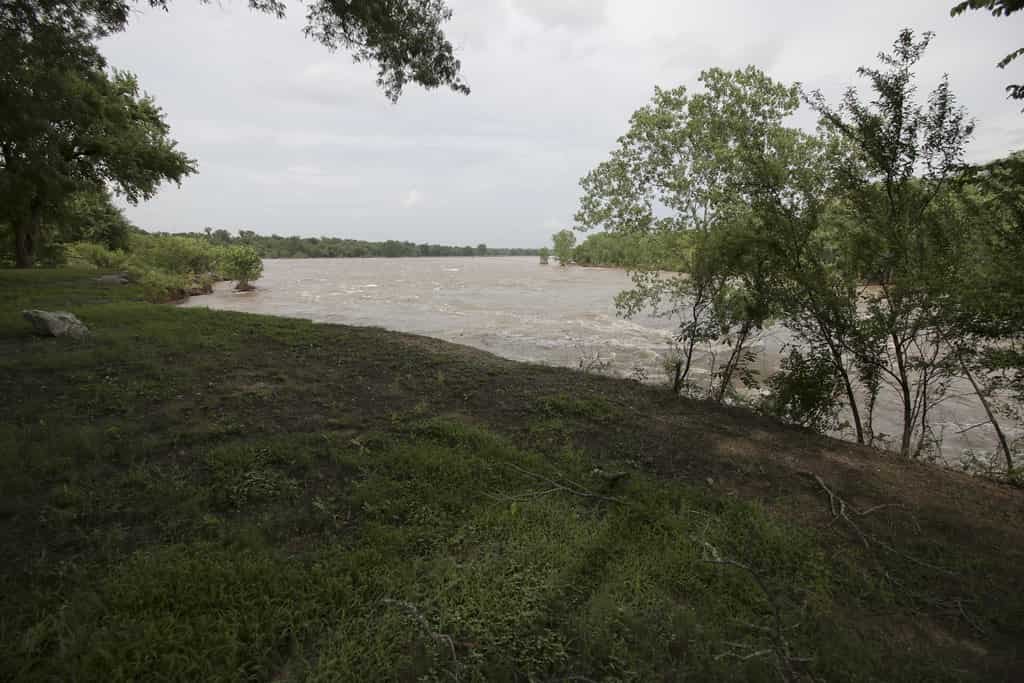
295, 140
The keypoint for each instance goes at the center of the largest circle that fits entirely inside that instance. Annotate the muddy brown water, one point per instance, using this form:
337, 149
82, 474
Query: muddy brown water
516, 308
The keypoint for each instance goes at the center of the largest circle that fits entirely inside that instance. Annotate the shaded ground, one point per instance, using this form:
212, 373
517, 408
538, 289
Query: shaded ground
200, 495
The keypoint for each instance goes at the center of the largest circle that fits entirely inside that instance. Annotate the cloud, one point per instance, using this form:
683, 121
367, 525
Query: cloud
571, 14
294, 139
412, 198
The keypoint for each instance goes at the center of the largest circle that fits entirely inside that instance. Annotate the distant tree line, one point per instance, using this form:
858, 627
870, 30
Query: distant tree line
277, 246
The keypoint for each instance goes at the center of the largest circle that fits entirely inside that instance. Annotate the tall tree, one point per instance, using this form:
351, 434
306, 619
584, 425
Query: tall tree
68, 124
998, 8
902, 159
683, 167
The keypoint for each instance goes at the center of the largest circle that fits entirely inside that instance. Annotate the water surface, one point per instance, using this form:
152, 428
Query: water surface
516, 308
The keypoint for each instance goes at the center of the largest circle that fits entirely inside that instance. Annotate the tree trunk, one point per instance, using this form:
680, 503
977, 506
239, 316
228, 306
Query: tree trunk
851, 397
26, 233
734, 359
24, 245
908, 404
1003, 444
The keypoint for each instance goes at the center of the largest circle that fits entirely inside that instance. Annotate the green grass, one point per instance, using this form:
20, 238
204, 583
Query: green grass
191, 495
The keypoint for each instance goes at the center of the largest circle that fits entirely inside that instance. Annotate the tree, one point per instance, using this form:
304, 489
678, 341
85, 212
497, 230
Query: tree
404, 38
91, 216
242, 264
69, 124
688, 164
901, 159
544, 255
564, 241
998, 8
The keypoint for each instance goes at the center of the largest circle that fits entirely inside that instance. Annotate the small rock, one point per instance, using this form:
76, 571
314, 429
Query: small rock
56, 324
115, 279
198, 288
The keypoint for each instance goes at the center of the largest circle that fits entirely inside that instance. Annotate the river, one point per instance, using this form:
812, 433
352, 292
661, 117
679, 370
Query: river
516, 308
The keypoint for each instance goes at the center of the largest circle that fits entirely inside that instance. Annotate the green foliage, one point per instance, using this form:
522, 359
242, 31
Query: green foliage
681, 182
242, 264
564, 240
70, 123
160, 286
90, 216
404, 39
174, 254
671, 251
276, 246
98, 256
544, 254
170, 268
806, 391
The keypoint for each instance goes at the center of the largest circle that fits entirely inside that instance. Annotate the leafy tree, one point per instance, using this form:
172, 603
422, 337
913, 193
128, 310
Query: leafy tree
901, 159
982, 320
686, 166
242, 264
564, 241
544, 255
998, 8
91, 216
69, 124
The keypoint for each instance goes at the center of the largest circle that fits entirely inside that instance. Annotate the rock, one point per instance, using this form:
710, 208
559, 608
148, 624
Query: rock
56, 324
199, 288
115, 279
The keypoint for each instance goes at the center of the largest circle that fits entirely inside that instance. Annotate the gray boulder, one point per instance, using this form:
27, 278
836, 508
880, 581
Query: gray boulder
56, 324
115, 279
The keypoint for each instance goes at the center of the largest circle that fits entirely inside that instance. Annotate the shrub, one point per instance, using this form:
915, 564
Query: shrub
160, 286
243, 264
97, 255
174, 254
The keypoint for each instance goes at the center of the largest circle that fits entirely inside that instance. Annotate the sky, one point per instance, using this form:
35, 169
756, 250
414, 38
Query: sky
295, 140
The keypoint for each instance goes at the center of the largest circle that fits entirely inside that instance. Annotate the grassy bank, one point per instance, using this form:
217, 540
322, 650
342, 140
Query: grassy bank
196, 495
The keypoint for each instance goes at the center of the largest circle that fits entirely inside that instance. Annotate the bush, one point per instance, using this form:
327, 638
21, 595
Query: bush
243, 264
98, 256
160, 286
172, 254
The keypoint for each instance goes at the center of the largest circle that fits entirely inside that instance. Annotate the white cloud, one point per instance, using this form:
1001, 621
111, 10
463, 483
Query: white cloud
572, 14
412, 198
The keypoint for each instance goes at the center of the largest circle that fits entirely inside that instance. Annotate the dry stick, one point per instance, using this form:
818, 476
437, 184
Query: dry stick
566, 485
781, 648
838, 507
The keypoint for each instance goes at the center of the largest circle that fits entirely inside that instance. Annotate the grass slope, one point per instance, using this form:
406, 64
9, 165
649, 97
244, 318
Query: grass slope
195, 495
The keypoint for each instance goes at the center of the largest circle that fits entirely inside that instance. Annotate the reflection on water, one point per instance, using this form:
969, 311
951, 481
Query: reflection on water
513, 307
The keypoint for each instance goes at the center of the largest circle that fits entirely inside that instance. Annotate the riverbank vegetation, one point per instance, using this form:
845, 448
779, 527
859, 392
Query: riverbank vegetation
892, 264
190, 494
276, 246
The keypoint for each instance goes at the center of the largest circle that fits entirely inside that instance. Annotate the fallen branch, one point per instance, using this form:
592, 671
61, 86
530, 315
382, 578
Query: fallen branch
840, 509
784, 658
565, 485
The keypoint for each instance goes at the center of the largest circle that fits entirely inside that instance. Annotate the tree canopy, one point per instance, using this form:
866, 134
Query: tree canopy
404, 38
